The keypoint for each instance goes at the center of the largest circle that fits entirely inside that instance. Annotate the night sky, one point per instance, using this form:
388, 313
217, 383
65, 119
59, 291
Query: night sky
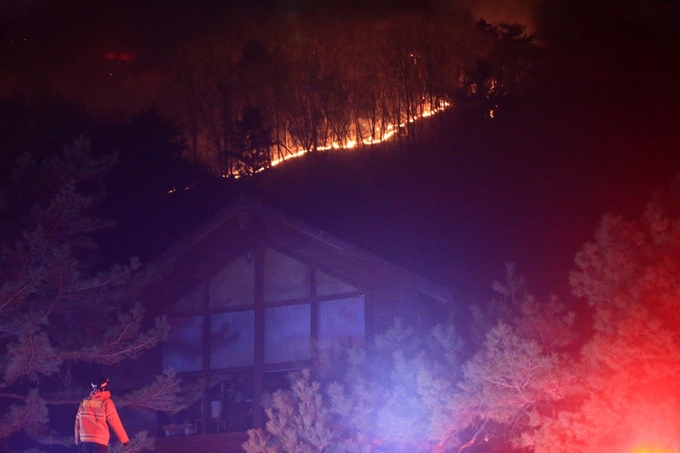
531, 193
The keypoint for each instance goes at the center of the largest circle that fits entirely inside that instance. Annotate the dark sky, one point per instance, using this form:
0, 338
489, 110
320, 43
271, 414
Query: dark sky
53, 33
609, 138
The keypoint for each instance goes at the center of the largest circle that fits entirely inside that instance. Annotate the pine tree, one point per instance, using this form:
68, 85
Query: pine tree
521, 373
61, 309
628, 393
414, 392
388, 397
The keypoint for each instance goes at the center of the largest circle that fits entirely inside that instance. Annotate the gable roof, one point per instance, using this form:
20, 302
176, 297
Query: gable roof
248, 218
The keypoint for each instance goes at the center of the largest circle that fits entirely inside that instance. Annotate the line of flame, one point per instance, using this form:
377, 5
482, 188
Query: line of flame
390, 132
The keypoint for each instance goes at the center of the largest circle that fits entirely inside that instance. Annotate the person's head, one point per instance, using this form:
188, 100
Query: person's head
100, 384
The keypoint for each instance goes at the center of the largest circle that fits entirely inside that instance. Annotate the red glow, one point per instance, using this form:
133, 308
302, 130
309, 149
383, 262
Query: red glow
119, 56
651, 450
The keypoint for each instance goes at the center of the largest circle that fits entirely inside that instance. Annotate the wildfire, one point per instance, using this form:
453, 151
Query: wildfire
381, 137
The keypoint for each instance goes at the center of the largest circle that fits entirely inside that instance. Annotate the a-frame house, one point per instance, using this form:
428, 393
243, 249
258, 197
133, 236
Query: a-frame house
249, 295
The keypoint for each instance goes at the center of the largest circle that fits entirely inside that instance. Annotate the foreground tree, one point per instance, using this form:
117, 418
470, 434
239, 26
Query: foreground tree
628, 395
430, 393
53, 282
378, 399
527, 386
519, 376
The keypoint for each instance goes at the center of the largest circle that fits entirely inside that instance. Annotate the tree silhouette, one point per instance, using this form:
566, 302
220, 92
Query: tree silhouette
61, 311
627, 395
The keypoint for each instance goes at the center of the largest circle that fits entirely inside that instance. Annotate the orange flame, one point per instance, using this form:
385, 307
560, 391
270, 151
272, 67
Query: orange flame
383, 136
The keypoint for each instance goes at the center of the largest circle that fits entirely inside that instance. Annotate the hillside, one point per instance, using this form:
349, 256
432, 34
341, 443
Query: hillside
596, 131
528, 187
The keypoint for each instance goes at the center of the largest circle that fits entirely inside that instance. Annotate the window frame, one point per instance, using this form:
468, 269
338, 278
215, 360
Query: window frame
259, 366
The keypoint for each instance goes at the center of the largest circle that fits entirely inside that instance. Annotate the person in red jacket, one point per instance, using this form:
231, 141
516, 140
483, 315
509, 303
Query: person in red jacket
95, 414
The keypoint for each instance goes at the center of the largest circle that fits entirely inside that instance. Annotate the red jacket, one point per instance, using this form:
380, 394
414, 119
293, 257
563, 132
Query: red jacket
95, 414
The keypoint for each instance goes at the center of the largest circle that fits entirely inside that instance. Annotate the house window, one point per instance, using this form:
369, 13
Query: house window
184, 347
288, 301
287, 333
341, 322
232, 339
285, 278
234, 285
327, 285
191, 299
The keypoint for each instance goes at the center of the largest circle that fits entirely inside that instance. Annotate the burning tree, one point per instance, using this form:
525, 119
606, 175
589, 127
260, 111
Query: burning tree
61, 312
321, 83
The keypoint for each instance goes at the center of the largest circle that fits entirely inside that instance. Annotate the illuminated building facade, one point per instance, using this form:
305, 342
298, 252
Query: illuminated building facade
251, 296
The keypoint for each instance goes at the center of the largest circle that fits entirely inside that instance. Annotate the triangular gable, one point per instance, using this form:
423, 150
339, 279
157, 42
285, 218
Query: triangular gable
339, 262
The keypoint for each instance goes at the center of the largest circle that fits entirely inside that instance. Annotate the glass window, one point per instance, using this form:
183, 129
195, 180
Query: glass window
234, 285
232, 337
341, 322
285, 278
191, 300
287, 333
327, 285
183, 350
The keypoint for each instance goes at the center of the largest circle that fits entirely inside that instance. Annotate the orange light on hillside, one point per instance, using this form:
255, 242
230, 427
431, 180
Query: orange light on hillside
351, 143
381, 137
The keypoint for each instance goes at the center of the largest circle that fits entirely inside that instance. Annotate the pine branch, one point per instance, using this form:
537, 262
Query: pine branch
30, 416
164, 395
